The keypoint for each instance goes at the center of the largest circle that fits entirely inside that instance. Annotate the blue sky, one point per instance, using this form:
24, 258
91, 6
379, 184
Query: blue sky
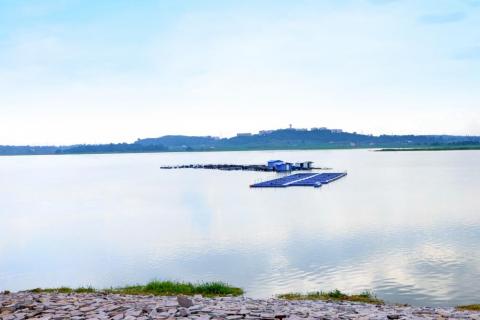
100, 71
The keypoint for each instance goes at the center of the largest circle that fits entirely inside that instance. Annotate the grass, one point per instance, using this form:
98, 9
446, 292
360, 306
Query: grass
470, 307
157, 287
173, 288
365, 297
65, 290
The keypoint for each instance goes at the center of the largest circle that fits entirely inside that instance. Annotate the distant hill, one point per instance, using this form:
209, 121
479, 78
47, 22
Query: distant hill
26, 150
303, 139
111, 148
321, 138
81, 149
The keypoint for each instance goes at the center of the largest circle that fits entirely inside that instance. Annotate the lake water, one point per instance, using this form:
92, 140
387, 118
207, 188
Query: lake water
403, 224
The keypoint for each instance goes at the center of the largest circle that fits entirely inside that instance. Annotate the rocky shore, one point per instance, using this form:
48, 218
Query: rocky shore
91, 306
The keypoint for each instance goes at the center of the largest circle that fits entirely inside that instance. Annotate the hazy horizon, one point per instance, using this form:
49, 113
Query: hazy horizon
75, 72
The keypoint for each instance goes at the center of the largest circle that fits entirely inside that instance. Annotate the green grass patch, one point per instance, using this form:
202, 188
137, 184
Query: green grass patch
365, 297
64, 290
84, 290
156, 287
470, 307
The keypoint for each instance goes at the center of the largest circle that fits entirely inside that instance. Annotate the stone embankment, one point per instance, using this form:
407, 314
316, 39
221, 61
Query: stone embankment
55, 306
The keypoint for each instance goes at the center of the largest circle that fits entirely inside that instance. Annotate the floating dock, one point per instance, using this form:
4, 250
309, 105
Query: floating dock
301, 179
271, 166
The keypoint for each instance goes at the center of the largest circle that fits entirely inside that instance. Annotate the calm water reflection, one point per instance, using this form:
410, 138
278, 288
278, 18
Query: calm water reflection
406, 225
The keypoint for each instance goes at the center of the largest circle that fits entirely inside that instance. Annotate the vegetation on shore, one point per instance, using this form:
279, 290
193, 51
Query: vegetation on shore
365, 296
156, 287
281, 139
435, 148
470, 307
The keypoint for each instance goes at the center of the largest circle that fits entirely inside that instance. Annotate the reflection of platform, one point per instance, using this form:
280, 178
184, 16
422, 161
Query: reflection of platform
301, 179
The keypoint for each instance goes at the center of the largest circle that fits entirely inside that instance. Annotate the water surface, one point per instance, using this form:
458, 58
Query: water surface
404, 224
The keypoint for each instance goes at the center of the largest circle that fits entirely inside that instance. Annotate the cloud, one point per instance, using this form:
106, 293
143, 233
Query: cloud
442, 18
382, 2
473, 3
472, 53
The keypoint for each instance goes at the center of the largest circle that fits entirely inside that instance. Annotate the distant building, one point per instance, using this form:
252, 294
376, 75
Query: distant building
284, 167
306, 165
265, 131
273, 163
319, 128
245, 134
279, 165
336, 130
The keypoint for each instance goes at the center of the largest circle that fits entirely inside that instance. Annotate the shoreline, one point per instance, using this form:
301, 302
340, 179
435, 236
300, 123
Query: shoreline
328, 148
103, 305
191, 151
475, 148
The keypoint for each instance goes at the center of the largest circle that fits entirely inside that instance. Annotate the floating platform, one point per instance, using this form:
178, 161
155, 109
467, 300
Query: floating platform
226, 167
301, 179
239, 167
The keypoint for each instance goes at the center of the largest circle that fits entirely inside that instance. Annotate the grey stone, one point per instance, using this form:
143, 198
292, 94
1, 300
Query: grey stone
88, 309
195, 308
184, 301
182, 312
118, 316
133, 312
9, 308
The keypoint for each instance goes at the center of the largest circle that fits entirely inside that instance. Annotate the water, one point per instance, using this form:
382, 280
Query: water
404, 224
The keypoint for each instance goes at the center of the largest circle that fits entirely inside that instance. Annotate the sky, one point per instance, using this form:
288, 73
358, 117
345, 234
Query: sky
74, 71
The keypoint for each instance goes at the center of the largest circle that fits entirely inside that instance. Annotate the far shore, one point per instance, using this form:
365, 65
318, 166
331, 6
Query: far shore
195, 151
466, 148
373, 148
